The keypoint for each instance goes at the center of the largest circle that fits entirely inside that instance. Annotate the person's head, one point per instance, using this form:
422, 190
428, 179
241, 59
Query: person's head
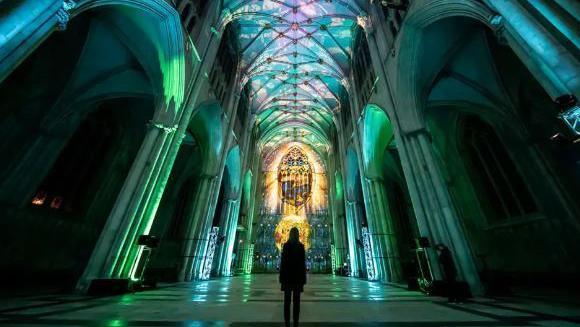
294, 235
441, 247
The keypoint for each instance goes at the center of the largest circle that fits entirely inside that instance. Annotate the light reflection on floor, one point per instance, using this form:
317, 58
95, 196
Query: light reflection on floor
257, 301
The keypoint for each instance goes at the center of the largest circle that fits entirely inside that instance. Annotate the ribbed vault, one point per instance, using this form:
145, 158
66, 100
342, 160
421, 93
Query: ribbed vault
295, 58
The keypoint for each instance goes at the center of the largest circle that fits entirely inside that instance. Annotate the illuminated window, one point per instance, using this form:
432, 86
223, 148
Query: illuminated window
295, 178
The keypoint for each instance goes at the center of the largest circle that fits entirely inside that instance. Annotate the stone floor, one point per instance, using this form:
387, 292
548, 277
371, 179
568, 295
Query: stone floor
256, 301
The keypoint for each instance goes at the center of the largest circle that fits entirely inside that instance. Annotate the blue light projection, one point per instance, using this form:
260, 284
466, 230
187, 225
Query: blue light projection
295, 56
572, 120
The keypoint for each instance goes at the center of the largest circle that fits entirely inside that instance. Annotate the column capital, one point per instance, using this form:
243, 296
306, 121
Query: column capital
497, 22
167, 129
63, 14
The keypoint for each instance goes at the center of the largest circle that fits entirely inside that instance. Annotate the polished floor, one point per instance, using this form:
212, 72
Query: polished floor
256, 301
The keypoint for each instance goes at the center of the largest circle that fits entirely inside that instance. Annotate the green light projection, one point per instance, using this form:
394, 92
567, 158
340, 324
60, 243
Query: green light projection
377, 135
338, 186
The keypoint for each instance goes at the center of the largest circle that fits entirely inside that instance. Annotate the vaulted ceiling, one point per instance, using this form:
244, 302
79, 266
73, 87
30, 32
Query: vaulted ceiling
296, 58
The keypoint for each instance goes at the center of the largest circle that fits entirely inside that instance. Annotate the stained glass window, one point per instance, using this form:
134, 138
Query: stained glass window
295, 178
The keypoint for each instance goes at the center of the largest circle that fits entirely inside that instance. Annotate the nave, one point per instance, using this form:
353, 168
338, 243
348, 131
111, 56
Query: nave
255, 300
156, 156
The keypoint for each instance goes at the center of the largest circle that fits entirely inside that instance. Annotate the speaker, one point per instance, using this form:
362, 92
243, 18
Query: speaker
149, 241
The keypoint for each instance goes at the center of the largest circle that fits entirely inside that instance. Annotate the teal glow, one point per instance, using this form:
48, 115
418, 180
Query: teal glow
351, 228
338, 186
558, 20
247, 189
116, 323
377, 135
195, 52
207, 129
234, 170
352, 173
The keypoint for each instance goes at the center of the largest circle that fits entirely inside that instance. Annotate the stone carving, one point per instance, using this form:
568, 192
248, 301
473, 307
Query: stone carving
63, 14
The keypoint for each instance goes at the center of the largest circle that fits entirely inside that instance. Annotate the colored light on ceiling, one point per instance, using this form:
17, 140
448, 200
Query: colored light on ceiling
295, 56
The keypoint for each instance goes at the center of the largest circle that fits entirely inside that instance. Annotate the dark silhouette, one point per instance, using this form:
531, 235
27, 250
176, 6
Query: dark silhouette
450, 272
293, 274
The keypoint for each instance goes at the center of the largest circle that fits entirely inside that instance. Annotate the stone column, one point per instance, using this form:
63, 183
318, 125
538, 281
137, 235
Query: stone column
192, 238
229, 232
251, 163
376, 247
252, 212
116, 254
135, 209
224, 224
116, 251
571, 6
379, 244
334, 207
205, 224
198, 253
27, 24
434, 210
353, 233
385, 232
440, 217
553, 12
552, 64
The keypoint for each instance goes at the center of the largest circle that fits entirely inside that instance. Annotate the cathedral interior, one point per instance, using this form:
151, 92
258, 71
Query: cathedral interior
156, 154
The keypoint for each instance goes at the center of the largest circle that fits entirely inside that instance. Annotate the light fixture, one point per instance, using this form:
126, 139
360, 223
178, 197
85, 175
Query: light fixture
569, 117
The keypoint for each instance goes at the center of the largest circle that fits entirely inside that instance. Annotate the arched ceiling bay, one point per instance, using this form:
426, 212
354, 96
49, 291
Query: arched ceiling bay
295, 59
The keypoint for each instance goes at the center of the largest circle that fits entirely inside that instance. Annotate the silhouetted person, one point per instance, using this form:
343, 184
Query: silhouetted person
450, 272
293, 274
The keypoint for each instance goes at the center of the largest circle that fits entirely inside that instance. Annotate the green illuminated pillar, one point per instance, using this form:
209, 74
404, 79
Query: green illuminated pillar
336, 203
230, 225
353, 232
194, 225
378, 242
386, 232
225, 223
230, 221
376, 247
116, 254
196, 244
116, 251
434, 210
351, 218
254, 157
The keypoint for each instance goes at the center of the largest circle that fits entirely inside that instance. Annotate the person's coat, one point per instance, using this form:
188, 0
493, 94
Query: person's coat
293, 267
